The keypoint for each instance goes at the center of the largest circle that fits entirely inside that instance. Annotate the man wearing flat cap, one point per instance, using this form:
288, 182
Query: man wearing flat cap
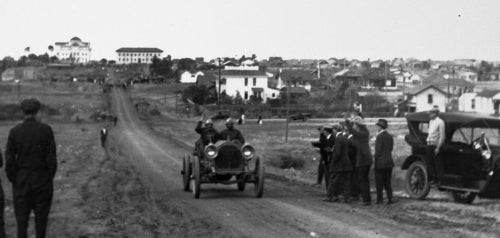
320, 144
384, 163
31, 165
435, 141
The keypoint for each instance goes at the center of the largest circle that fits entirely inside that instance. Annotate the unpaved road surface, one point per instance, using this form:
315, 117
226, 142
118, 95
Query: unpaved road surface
286, 210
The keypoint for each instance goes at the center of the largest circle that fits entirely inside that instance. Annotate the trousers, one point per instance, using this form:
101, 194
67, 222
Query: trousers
434, 163
364, 182
29, 198
339, 183
2, 207
383, 181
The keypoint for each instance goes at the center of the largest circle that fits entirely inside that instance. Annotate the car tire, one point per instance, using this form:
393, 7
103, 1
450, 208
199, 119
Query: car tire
417, 181
463, 197
186, 172
196, 177
259, 177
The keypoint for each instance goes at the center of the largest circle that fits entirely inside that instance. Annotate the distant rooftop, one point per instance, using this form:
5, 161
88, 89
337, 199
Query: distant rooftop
139, 50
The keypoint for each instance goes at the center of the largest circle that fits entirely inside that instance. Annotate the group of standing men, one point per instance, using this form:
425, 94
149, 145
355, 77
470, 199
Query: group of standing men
346, 160
30, 166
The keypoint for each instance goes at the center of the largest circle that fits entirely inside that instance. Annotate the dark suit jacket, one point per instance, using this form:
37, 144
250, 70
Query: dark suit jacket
362, 139
31, 154
340, 157
232, 134
383, 150
321, 145
328, 147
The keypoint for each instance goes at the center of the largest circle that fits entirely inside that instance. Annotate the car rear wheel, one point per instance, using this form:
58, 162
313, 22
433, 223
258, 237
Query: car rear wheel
417, 181
196, 177
463, 197
259, 177
186, 172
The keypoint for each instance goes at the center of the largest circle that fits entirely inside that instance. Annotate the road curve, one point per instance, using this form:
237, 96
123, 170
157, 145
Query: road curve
287, 209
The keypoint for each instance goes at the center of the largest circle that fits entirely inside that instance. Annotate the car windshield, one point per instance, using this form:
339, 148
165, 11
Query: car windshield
468, 134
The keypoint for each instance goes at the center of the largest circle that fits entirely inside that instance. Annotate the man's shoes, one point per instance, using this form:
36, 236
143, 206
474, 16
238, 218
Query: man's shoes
379, 202
392, 201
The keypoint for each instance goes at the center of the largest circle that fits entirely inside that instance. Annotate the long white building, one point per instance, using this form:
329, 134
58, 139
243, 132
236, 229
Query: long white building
75, 50
137, 55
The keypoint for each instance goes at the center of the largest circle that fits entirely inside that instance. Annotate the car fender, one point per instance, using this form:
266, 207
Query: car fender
412, 158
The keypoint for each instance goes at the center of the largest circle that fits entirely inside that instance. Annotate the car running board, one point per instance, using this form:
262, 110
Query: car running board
470, 190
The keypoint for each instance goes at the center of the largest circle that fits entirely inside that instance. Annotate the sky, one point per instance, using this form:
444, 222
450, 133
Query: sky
354, 29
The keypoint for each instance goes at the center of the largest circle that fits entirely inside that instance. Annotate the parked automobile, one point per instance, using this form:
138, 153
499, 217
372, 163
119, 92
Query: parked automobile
225, 162
471, 156
221, 115
300, 116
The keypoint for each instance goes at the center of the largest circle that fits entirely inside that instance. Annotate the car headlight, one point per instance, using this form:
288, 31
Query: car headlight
211, 151
247, 151
486, 154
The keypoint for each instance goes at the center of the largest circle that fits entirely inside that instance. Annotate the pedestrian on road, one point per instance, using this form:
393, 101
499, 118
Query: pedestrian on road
435, 141
384, 163
259, 120
340, 168
321, 145
31, 165
104, 136
361, 135
2, 203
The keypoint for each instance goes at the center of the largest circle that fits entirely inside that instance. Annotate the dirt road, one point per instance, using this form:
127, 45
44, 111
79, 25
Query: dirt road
287, 209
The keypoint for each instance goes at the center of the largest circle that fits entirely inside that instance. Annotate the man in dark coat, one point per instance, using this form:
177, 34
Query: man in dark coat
208, 134
353, 157
327, 146
383, 161
104, 135
2, 203
340, 168
361, 136
231, 133
323, 155
31, 165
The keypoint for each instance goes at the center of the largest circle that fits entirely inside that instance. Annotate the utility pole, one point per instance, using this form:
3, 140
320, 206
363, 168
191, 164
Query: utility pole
218, 94
18, 88
287, 110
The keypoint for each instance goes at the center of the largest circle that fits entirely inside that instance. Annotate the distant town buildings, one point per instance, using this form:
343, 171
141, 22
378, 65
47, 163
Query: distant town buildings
487, 101
137, 55
74, 51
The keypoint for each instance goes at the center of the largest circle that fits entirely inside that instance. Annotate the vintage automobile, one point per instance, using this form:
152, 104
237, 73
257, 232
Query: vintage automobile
303, 116
225, 162
470, 155
221, 115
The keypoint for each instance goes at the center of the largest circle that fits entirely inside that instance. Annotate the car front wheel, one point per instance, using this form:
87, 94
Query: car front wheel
259, 177
196, 177
186, 172
417, 181
463, 197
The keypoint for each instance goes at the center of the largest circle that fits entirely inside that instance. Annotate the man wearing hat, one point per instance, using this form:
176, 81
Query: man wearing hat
361, 136
208, 134
231, 133
340, 168
435, 141
384, 163
320, 144
31, 165
327, 147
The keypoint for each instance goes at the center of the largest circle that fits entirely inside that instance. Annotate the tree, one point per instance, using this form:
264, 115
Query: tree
243, 58
365, 64
198, 94
254, 57
238, 99
186, 64
161, 67
32, 57
45, 58
54, 59
225, 99
51, 48
103, 61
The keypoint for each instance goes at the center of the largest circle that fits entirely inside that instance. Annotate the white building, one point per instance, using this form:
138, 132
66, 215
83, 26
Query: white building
137, 55
487, 101
190, 77
246, 81
75, 51
428, 97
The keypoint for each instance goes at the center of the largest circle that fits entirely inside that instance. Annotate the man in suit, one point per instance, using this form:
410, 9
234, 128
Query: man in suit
231, 133
31, 165
328, 148
352, 156
340, 167
323, 155
383, 161
2, 203
361, 136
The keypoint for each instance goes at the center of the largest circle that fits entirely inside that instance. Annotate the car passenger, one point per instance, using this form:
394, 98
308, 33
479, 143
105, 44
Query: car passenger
231, 133
208, 134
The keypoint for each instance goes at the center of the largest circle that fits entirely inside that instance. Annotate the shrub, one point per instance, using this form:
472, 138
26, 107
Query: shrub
286, 161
